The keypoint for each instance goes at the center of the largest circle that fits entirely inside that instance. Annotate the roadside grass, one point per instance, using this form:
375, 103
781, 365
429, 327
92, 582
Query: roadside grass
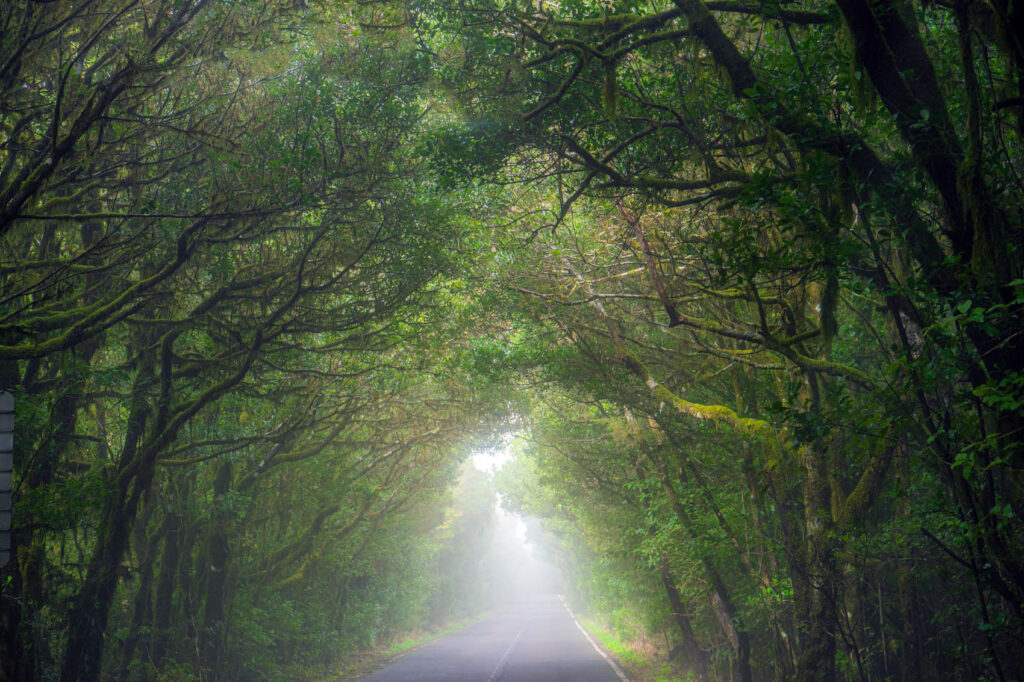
366, 662
641, 661
418, 638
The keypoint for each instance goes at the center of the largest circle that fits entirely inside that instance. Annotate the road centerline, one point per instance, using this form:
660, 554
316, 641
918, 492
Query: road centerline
508, 652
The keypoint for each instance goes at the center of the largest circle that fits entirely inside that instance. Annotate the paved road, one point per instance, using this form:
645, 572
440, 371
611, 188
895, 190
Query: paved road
536, 640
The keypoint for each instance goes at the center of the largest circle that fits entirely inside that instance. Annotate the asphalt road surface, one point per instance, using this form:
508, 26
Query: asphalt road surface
537, 640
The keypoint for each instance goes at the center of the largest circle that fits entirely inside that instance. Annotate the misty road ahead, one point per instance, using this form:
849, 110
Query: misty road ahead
536, 640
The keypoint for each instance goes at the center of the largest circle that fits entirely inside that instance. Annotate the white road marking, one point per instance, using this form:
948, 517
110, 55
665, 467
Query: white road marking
508, 652
616, 669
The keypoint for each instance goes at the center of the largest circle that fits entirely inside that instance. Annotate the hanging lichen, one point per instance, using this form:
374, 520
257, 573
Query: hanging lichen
611, 89
829, 298
861, 91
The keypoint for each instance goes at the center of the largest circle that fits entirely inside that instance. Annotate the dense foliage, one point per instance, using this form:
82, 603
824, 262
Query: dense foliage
222, 291
749, 277
775, 305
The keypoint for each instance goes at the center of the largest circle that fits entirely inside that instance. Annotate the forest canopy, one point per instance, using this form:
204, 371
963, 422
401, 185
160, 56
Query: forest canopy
745, 280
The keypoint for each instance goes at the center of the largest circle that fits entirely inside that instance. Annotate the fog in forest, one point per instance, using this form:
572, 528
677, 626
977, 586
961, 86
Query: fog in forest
524, 554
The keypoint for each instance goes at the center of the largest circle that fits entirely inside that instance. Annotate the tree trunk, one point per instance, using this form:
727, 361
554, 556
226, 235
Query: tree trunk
721, 601
143, 605
696, 658
217, 554
12, 665
816, 600
163, 606
90, 609
31, 567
